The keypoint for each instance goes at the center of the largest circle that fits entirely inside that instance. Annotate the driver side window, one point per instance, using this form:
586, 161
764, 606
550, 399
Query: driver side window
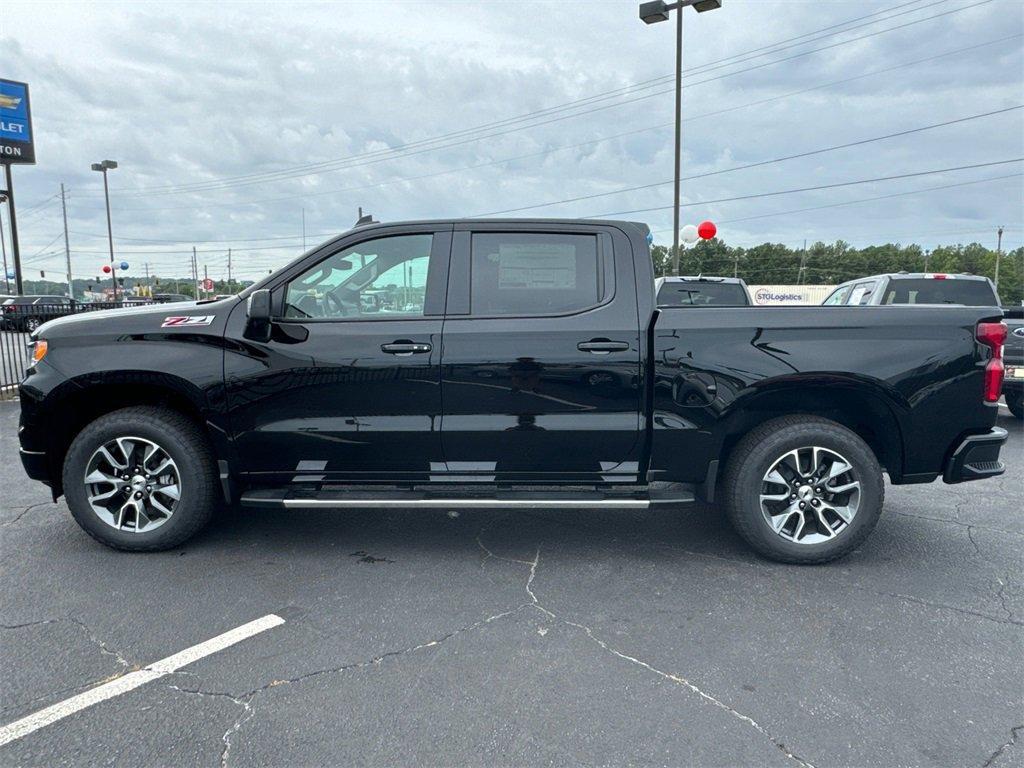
386, 277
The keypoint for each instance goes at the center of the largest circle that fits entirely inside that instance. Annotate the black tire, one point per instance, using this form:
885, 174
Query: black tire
754, 455
1016, 406
183, 441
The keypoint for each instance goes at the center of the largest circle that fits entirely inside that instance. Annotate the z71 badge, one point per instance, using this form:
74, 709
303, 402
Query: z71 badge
187, 321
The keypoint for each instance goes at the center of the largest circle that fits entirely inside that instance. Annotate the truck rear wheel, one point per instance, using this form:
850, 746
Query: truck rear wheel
140, 479
803, 489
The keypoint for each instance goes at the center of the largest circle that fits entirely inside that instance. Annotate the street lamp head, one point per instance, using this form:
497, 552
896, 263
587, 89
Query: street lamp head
653, 12
105, 165
97, 167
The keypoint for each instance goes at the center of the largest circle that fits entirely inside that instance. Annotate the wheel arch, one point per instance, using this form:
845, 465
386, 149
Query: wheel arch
865, 409
81, 401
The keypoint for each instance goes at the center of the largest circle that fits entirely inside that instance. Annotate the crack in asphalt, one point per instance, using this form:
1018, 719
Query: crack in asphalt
1001, 597
1014, 731
247, 699
245, 702
676, 679
24, 512
102, 646
957, 522
955, 609
30, 624
104, 649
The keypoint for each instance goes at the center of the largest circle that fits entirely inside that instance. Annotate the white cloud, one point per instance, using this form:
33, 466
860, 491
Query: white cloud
188, 93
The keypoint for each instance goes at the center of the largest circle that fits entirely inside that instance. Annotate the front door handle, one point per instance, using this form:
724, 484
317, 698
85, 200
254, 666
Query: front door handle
602, 346
404, 348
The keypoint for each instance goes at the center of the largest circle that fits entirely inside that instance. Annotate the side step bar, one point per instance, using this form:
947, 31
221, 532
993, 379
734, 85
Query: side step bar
292, 499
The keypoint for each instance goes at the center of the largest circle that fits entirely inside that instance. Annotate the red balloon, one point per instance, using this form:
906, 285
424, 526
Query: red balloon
707, 230
106, 269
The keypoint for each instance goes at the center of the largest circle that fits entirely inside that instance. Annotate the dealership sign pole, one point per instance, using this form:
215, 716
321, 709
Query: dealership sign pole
16, 146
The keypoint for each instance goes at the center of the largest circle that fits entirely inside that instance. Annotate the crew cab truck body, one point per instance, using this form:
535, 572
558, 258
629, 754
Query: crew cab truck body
915, 288
701, 291
511, 363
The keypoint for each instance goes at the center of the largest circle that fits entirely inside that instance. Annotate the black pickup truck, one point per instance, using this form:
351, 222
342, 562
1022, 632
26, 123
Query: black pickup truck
509, 364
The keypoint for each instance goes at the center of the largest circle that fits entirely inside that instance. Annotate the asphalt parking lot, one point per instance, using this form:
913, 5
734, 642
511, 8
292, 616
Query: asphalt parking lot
496, 638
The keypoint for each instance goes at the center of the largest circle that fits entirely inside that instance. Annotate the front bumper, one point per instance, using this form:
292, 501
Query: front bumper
36, 465
976, 458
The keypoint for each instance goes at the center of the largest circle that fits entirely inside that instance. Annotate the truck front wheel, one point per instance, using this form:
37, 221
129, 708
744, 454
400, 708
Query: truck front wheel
140, 479
803, 489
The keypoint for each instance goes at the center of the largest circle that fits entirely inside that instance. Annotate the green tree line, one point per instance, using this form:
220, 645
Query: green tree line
833, 263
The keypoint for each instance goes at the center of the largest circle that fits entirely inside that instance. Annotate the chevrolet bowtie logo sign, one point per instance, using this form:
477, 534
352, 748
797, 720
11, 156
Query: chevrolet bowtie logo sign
16, 139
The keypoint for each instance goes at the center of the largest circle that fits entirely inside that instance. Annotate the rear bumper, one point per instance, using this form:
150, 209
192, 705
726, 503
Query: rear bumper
976, 458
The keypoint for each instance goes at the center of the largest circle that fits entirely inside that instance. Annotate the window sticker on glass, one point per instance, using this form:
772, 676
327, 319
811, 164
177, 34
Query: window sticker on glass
538, 266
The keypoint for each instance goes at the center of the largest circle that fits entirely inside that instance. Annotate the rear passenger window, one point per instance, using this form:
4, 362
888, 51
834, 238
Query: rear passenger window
538, 274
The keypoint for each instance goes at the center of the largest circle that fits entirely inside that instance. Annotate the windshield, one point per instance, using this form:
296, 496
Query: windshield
971, 293
698, 294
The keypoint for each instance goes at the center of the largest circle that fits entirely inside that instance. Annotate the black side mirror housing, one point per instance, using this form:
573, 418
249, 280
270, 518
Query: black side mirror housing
258, 316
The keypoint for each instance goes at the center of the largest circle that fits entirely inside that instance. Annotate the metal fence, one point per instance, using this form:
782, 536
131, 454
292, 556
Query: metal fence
18, 321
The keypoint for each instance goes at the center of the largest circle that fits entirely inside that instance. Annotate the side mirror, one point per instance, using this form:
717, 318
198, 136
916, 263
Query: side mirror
257, 312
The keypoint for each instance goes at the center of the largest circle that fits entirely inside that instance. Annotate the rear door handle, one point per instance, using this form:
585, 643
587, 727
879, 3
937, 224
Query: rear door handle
404, 348
602, 346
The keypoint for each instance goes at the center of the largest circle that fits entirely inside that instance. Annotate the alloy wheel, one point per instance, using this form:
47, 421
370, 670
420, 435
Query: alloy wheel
132, 484
810, 495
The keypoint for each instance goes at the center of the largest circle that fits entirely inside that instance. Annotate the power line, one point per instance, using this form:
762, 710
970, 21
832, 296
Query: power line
400, 151
813, 189
758, 164
686, 120
873, 199
218, 253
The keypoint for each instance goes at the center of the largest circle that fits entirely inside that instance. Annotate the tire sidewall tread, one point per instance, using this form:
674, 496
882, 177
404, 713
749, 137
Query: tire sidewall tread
763, 446
185, 442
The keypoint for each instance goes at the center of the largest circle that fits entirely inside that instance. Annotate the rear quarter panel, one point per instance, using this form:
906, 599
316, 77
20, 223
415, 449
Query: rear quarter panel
921, 364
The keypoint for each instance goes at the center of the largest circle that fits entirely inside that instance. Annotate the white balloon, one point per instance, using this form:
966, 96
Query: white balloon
688, 234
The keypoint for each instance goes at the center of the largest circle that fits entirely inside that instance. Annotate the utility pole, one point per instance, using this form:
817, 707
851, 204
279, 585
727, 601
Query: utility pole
927, 258
67, 243
999, 253
19, 288
3, 248
229, 270
206, 276
803, 265
195, 274
149, 285
303, 230
736, 263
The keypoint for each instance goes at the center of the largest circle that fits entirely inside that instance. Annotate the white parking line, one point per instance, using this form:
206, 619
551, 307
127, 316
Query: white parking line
60, 710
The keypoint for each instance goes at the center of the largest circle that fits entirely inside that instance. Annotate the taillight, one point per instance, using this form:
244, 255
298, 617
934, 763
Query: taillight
993, 335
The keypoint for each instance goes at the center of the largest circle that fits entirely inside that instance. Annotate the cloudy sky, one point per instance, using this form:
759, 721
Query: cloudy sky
232, 121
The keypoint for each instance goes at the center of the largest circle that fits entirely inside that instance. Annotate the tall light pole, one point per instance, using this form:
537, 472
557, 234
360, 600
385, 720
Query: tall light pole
652, 13
103, 167
3, 246
999, 253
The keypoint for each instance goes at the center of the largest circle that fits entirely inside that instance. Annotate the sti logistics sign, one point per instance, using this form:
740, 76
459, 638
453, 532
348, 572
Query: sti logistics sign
16, 144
